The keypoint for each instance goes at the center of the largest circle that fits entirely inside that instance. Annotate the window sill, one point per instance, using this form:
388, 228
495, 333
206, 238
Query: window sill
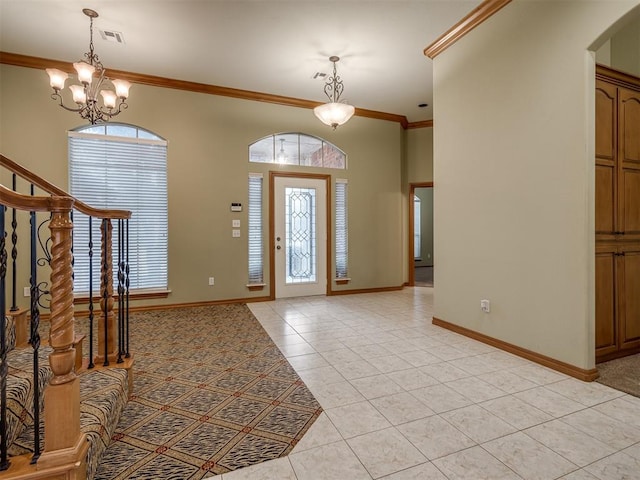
342, 281
254, 287
141, 294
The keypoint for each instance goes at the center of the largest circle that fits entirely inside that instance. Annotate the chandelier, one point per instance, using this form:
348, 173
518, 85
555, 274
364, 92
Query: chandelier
86, 95
334, 113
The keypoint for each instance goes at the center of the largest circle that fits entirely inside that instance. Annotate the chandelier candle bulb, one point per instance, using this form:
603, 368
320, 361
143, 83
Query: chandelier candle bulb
57, 78
78, 94
109, 98
85, 72
122, 88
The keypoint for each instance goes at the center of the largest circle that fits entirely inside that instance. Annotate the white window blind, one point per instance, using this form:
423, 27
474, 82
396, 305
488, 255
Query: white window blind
256, 276
121, 173
342, 234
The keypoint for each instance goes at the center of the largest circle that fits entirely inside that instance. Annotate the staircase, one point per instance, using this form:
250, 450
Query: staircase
59, 407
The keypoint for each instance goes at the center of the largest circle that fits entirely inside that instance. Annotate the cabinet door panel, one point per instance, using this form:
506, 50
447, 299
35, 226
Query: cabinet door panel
606, 333
606, 113
605, 199
630, 289
629, 125
630, 202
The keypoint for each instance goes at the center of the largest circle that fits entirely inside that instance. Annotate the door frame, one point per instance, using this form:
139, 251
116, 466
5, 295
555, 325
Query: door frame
412, 190
272, 227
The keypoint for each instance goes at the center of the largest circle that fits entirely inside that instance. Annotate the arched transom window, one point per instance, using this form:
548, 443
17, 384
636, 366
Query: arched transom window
297, 149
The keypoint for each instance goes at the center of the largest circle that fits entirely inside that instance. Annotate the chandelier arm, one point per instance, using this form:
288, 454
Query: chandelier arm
111, 113
56, 96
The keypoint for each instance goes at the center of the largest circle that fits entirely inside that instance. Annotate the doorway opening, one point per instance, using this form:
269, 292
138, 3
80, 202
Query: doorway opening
421, 261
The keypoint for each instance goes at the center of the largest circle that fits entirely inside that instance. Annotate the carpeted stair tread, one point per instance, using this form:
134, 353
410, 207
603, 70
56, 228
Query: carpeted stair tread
103, 395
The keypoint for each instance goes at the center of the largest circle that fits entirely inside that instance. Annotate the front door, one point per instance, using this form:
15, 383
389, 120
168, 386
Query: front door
300, 236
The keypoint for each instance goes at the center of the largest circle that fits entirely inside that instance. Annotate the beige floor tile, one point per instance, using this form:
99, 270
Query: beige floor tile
322, 432
331, 395
306, 362
538, 374
477, 423
571, 443
385, 452
401, 408
376, 386
412, 378
357, 419
441, 398
328, 462
587, 393
508, 381
474, 463
616, 467
435, 437
389, 363
280, 468
622, 409
444, 372
581, 474
424, 471
321, 375
549, 402
475, 389
529, 458
617, 434
516, 412
357, 369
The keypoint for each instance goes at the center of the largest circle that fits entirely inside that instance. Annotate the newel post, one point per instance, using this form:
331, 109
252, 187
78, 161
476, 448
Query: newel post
107, 339
64, 444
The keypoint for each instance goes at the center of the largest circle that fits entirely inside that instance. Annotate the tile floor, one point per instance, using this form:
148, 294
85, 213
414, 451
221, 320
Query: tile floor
405, 399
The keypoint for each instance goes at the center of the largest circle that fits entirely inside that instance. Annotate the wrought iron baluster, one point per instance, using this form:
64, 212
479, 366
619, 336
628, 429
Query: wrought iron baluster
126, 283
91, 364
105, 293
34, 339
120, 292
14, 252
4, 368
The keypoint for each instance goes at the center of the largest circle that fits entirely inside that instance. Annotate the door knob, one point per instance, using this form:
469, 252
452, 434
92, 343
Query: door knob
278, 247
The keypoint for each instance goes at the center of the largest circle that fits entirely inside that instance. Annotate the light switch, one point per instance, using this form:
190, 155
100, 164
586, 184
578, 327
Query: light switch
235, 233
235, 223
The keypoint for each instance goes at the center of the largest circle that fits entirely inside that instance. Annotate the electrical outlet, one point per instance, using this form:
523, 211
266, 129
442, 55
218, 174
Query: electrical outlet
27, 291
485, 306
212, 281
235, 233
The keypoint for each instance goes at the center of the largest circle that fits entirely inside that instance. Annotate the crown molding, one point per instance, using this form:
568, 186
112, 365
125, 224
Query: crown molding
423, 124
474, 18
155, 81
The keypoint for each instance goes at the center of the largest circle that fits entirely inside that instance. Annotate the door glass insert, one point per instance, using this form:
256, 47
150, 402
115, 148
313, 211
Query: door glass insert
300, 241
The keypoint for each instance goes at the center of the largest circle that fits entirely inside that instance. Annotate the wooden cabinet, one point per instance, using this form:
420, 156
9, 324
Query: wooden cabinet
617, 214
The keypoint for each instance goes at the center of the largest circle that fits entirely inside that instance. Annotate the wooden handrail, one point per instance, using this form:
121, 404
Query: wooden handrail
53, 190
12, 199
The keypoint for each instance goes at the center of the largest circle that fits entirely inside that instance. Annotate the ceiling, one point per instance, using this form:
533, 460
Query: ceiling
266, 46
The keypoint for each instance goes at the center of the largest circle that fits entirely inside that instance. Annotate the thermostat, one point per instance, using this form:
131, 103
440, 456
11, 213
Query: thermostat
236, 207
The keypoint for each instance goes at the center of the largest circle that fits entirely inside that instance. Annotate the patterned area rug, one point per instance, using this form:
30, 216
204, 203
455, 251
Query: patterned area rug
622, 374
212, 393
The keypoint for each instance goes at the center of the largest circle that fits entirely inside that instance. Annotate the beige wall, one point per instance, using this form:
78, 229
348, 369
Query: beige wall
625, 48
207, 170
420, 154
622, 50
513, 167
